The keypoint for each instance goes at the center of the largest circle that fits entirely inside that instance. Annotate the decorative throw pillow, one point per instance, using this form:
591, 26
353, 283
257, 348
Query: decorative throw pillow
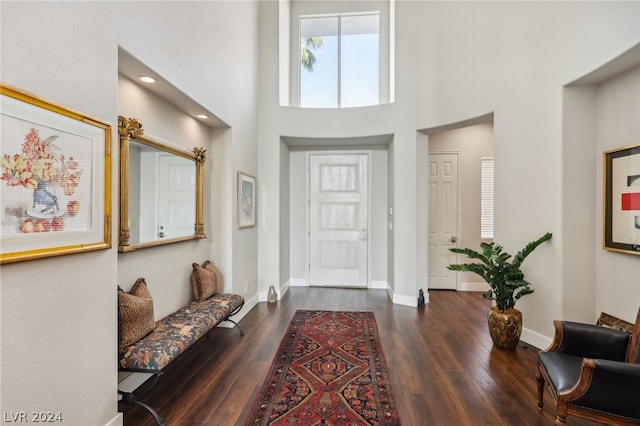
204, 280
135, 314
219, 277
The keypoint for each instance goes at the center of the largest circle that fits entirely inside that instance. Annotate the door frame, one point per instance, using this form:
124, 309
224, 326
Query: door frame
458, 154
308, 155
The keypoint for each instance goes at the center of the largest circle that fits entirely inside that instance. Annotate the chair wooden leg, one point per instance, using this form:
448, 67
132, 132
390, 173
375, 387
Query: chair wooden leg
561, 419
541, 383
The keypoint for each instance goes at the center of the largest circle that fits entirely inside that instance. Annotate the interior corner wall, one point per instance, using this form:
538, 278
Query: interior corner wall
422, 215
617, 107
268, 144
298, 222
578, 238
58, 335
379, 216
222, 198
391, 208
285, 217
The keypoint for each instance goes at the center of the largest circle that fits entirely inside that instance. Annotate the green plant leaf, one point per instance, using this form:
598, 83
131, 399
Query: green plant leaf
505, 278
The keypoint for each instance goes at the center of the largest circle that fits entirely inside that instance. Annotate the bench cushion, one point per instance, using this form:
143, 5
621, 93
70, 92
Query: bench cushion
176, 332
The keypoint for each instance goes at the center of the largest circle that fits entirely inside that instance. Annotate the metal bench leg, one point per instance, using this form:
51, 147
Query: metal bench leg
236, 324
129, 398
235, 311
153, 412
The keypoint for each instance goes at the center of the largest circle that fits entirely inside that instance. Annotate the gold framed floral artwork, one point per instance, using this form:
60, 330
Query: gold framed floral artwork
246, 200
55, 179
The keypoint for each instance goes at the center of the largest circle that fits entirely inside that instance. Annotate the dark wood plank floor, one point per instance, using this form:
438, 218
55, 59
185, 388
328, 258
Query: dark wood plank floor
443, 367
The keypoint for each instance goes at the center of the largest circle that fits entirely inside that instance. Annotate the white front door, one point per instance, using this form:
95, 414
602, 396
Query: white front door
443, 219
338, 223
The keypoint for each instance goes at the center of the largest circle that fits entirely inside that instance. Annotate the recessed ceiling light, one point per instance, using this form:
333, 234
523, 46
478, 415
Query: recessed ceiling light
203, 116
146, 79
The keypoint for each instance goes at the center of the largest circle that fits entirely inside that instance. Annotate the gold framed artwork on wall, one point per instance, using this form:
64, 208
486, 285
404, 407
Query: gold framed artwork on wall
622, 200
55, 177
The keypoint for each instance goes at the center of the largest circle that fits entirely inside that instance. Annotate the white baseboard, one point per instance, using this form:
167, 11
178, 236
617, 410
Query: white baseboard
283, 289
401, 299
263, 295
383, 285
298, 282
535, 339
116, 421
473, 286
248, 305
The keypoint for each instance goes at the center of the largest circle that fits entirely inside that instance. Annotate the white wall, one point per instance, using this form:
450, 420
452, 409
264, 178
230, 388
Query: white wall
59, 324
512, 59
600, 113
59, 315
456, 61
617, 105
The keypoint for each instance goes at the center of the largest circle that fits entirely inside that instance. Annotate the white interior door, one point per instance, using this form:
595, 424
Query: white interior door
338, 223
443, 219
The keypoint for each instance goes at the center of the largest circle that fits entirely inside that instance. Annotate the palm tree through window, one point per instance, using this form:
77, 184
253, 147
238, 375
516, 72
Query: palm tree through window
340, 60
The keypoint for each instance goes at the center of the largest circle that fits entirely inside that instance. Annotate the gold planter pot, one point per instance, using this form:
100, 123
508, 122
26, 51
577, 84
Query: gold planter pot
505, 327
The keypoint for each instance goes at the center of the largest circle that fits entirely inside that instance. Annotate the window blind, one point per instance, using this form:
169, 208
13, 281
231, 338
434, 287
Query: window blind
486, 197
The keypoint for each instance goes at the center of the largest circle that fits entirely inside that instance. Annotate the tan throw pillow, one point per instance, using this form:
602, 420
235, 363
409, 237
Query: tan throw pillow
219, 277
203, 281
135, 314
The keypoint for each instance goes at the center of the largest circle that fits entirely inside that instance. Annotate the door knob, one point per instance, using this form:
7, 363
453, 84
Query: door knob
454, 239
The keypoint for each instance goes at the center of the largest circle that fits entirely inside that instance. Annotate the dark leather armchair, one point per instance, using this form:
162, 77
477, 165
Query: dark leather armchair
592, 372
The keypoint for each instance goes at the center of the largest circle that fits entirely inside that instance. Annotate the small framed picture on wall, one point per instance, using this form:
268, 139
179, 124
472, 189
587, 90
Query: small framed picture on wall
246, 200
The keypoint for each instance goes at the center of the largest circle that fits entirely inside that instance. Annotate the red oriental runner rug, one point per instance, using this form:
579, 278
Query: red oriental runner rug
329, 370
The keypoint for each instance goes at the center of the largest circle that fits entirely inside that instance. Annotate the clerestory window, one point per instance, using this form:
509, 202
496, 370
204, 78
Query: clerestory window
340, 60
339, 53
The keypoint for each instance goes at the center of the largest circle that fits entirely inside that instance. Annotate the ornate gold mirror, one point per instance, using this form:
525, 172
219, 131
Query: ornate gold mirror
161, 190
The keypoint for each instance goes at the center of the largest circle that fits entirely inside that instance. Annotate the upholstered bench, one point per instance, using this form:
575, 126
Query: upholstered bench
149, 346
178, 331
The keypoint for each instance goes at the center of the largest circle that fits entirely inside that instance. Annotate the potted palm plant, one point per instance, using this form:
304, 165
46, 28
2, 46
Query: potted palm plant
507, 283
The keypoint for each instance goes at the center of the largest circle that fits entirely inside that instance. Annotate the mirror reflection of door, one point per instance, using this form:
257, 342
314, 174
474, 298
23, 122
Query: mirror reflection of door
165, 197
338, 223
176, 199
148, 196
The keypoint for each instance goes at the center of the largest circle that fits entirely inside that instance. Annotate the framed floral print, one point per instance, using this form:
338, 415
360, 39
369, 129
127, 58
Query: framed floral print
55, 179
246, 200
622, 200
